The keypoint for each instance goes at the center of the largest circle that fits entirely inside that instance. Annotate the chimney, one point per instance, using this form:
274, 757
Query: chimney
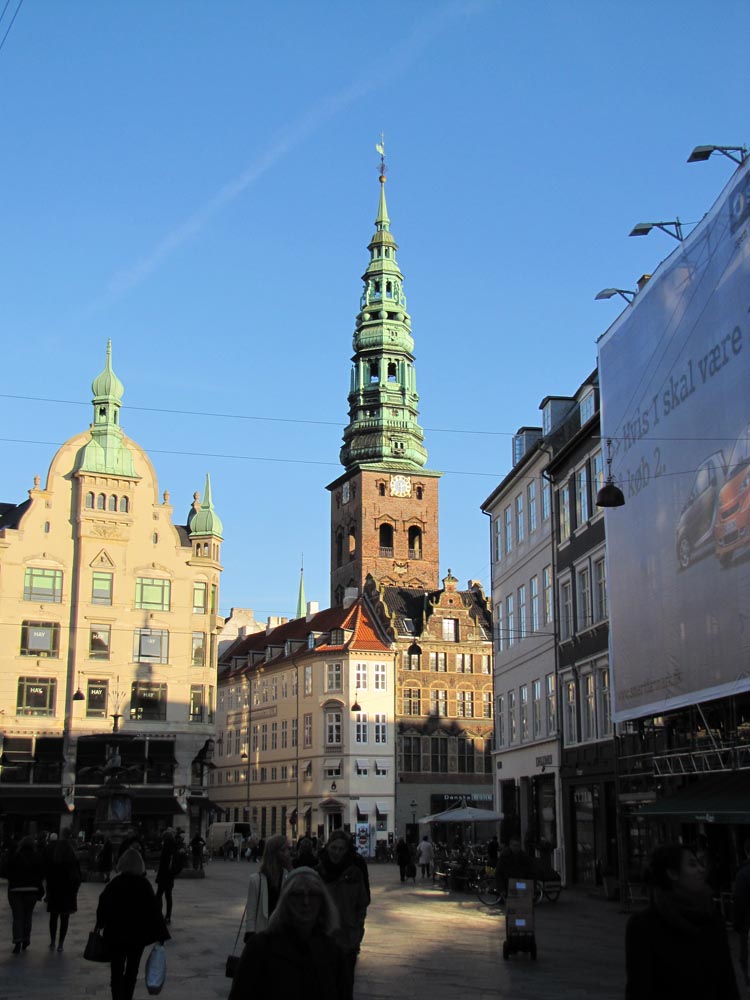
313, 607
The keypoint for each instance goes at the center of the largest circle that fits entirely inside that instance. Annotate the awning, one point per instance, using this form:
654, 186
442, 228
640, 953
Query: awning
720, 799
28, 800
332, 763
364, 806
363, 764
383, 765
383, 808
307, 811
293, 817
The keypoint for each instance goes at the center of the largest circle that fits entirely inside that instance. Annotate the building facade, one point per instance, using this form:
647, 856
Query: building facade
110, 614
527, 757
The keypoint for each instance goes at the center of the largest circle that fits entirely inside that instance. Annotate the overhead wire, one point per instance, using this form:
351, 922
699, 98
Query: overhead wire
12, 20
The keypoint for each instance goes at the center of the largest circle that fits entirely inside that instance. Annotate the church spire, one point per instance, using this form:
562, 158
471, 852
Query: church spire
301, 602
206, 521
383, 430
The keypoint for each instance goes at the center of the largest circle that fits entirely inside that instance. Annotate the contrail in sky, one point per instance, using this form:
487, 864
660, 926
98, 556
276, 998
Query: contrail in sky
401, 59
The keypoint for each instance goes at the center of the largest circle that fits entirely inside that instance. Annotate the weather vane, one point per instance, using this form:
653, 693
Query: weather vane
380, 147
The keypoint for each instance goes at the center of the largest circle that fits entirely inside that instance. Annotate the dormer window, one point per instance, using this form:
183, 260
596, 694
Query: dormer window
586, 407
337, 637
311, 641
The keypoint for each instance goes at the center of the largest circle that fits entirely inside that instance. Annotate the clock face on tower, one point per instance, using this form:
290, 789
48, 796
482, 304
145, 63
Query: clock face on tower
400, 486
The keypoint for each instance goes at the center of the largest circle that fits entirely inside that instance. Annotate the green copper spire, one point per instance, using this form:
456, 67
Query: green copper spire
383, 430
301, 602
206, 521
106, 452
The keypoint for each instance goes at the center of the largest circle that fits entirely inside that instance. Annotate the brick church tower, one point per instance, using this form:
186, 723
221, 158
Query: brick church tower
384, 508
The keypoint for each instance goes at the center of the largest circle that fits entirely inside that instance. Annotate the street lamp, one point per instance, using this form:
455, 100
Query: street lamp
644, 228
608, 293
610, 495
701, 153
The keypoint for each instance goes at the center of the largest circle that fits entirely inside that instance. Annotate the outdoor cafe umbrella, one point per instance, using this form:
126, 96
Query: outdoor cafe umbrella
461, 813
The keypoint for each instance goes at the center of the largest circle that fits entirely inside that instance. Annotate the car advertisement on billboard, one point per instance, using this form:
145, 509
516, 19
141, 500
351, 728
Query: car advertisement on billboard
674, 372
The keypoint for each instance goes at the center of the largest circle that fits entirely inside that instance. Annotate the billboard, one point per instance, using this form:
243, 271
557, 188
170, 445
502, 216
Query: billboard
674, 373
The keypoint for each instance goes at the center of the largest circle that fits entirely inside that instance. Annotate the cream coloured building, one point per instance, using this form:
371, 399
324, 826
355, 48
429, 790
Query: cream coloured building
109, 619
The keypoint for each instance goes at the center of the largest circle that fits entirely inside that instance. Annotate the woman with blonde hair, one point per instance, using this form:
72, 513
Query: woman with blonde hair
264, 887
296, 957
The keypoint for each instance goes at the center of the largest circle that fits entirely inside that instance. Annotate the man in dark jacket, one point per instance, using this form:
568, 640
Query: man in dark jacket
24, 872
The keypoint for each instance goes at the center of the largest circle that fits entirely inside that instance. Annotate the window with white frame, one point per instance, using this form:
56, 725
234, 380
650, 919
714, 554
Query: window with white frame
563, 513
586, 407
439, 702
600, 589
510, 621
588, 707
412, 657
597, 472
295, 731
307, 730
523, 711
583, 597
531, 501
582, 496
570, 725
512, 731
464, 664
550, 704
486, 704
500, 720
536, 708
534, 595
333, 677
360, 727
284, 734
499, 626
274, 736
498, 538
362, 768
520, 523
381, 727
522, 611
263, 737
465, 704
545, 499
360, 676
566, 611
486, 663
508, 524
412, 701
380, 676
438, 662
308, 679
450, 629
256, 737
333, 727
603, 707
547, 604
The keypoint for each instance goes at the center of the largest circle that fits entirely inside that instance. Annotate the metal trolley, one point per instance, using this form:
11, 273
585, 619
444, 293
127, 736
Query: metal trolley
519, 918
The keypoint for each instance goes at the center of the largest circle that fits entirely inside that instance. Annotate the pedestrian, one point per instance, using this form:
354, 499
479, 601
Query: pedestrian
345, 883
105, 859
305, 856
493, 851
196, 846
741, 909
296, 957
403, 857
130, 918
169, 867
264, 886
677, 948
513, 862
228, 849
25, 874
425, 856
62, 874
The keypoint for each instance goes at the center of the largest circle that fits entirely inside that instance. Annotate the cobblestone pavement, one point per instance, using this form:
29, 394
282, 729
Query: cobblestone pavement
419, 942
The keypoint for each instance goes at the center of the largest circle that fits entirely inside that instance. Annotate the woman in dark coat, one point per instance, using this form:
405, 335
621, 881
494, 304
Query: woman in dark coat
166, 872
296, 957
24, 873
403, 857
130, 919
677, 948
62, 873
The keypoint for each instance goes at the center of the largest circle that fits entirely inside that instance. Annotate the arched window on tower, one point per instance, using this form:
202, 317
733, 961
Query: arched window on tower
392, 371
374, 373
101, 502
381, 489
89, 501
124, 505
112, 504
376, 289
420, 492
339, 547
352, 543
415, 543
389, 289
385, 533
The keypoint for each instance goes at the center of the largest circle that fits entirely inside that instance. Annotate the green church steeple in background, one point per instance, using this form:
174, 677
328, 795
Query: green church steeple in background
206, 521
383, 431
106, 452
301, 602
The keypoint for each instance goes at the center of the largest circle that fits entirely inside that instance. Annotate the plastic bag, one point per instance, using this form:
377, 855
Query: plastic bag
156, 970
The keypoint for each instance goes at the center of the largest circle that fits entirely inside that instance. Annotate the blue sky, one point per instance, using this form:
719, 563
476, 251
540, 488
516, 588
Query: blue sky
198, 181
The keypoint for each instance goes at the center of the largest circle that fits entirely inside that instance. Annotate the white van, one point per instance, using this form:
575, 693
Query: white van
218, 834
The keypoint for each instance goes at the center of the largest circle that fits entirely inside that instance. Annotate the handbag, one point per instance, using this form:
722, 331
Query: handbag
232, 963
156, 970
96, 949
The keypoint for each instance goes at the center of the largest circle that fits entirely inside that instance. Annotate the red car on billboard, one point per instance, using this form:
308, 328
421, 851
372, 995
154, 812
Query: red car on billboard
732, 528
